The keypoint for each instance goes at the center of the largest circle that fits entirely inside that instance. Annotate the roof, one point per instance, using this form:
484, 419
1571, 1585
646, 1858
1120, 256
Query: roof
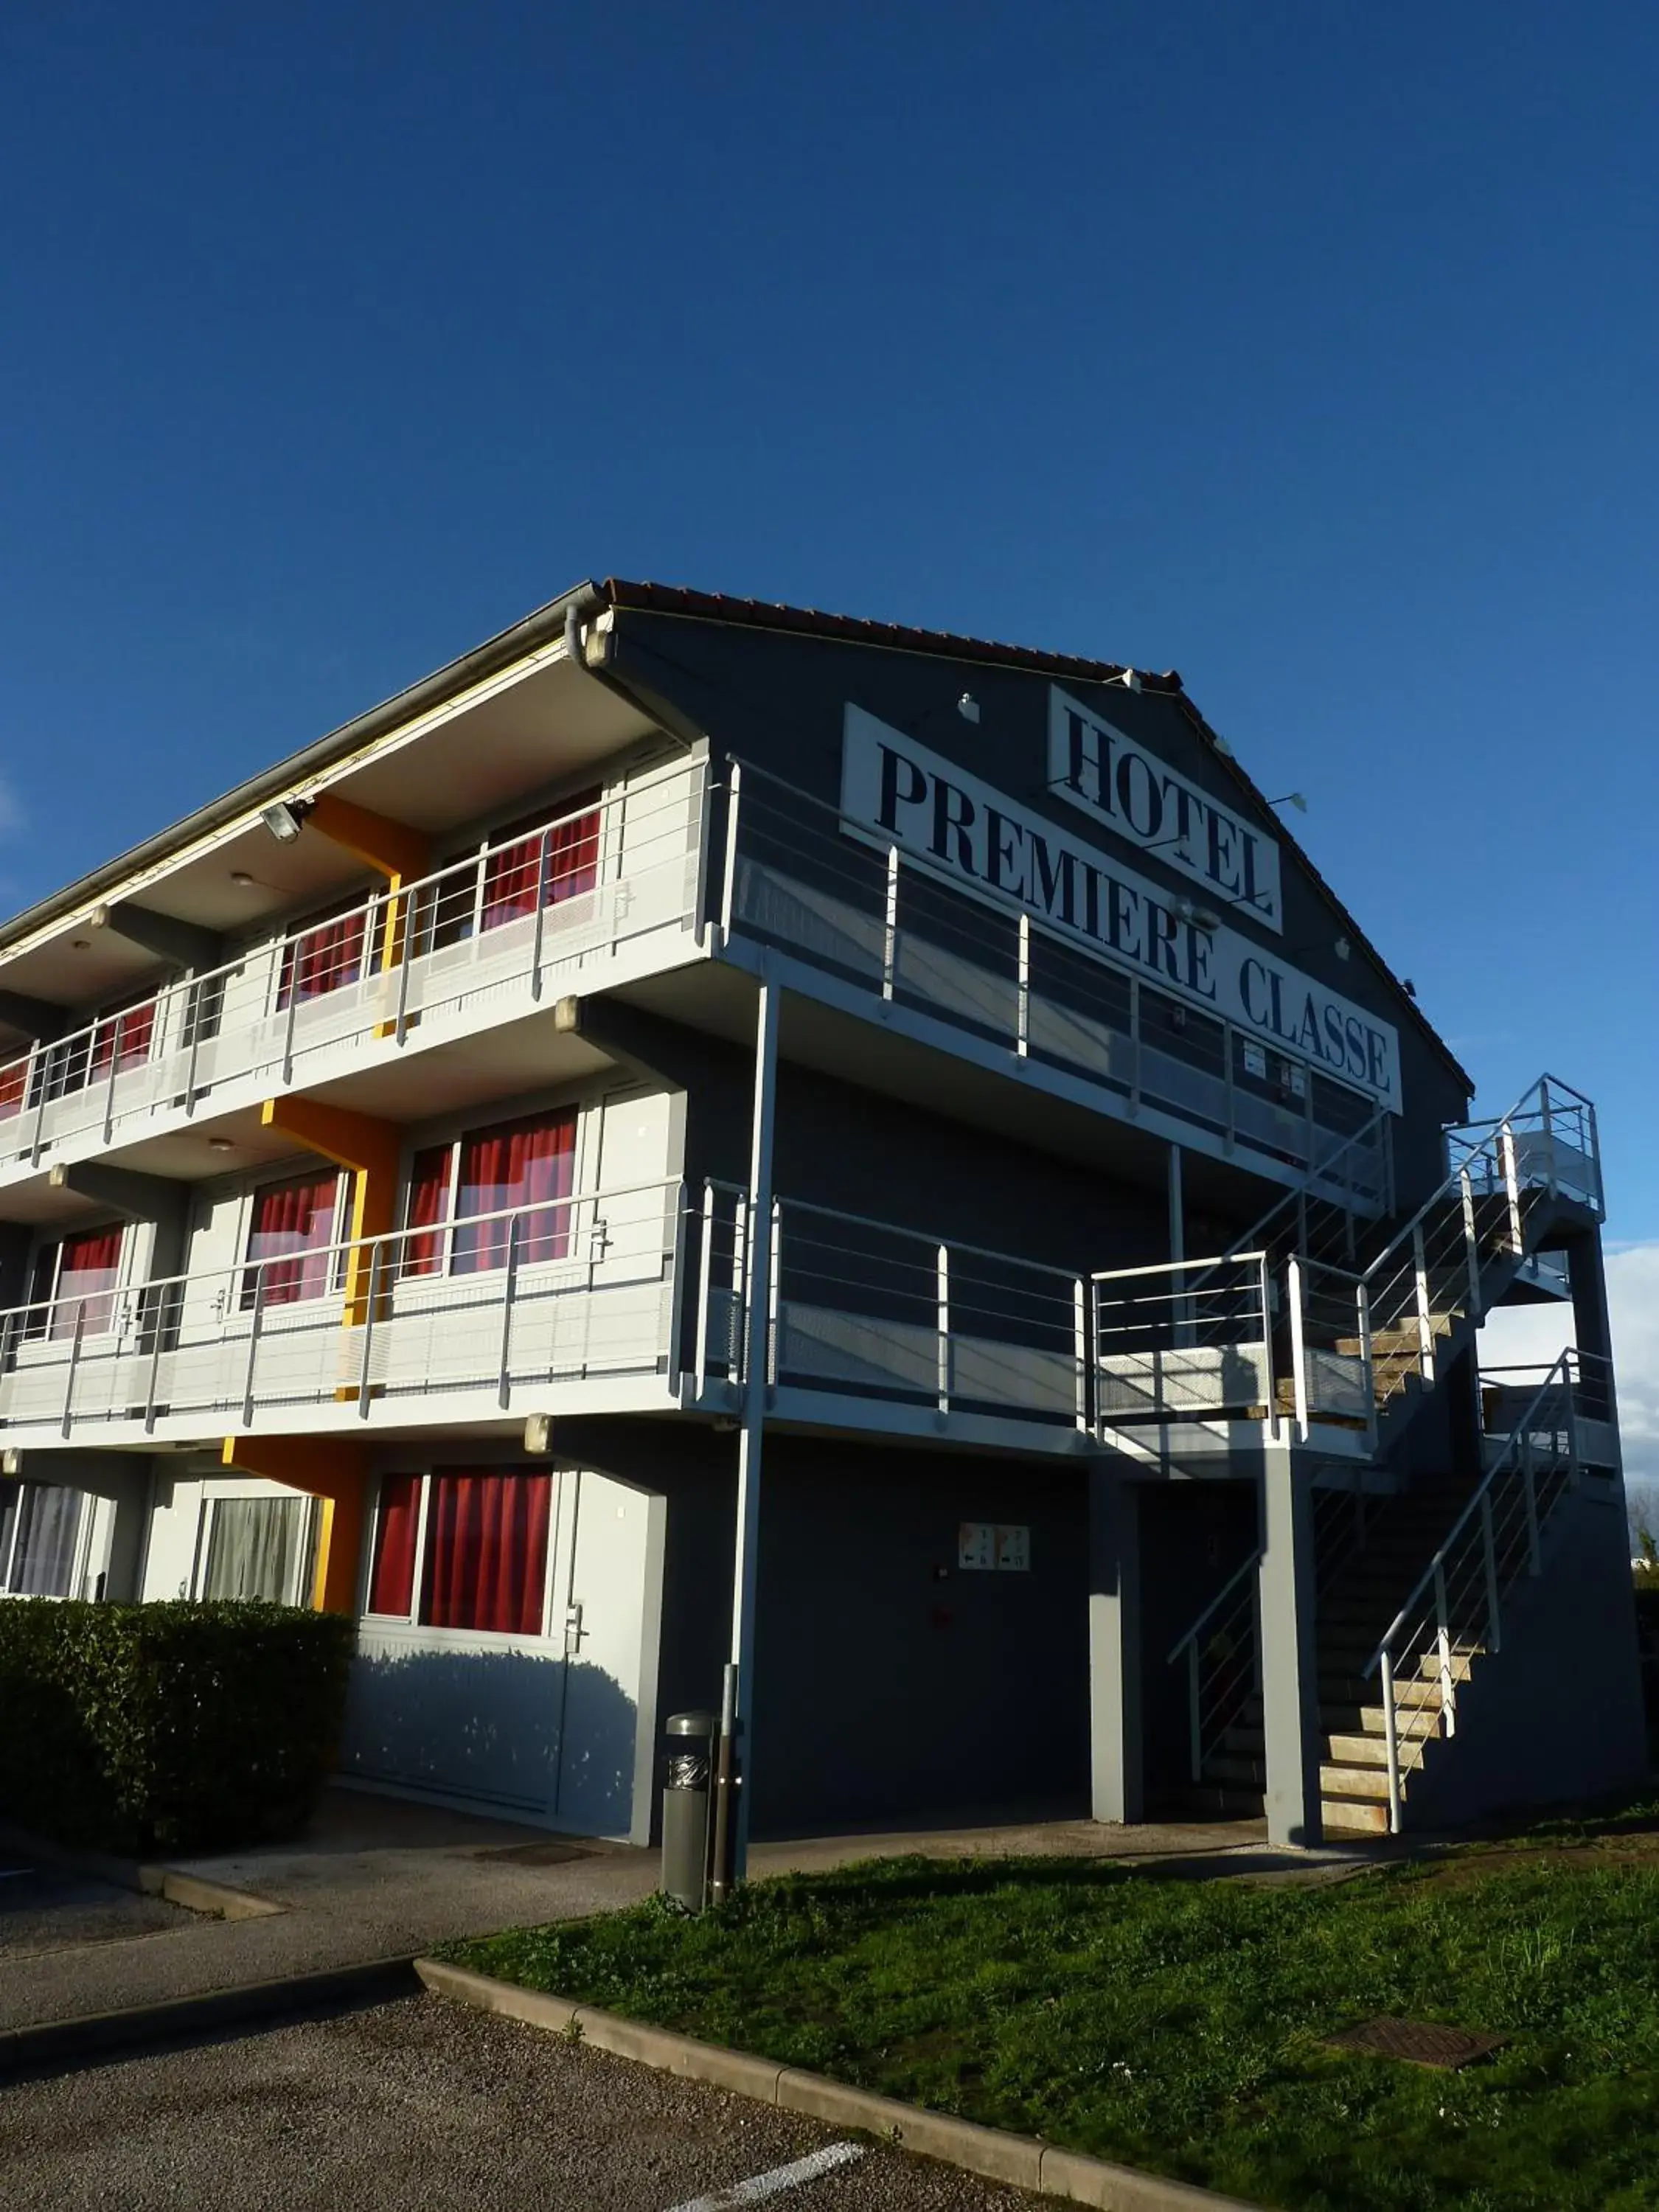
898, 637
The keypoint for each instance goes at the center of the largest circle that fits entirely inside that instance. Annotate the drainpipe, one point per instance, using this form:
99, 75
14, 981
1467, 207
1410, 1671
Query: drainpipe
575, 614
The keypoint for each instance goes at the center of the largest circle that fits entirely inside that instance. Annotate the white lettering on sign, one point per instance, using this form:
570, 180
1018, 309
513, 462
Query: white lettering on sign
1093, 766
993, 1546
898, 792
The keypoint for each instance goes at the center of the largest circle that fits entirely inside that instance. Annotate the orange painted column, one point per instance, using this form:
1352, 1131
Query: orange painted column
332, 1471
368, 1147
401, 854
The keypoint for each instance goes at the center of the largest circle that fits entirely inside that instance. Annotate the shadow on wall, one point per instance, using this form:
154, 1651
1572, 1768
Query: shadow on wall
543, 1736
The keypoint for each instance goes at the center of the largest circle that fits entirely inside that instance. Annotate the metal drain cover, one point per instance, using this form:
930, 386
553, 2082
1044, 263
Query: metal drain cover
1419, 2042
534, 1855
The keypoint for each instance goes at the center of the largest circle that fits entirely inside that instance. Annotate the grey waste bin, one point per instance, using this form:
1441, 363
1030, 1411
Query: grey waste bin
685, 1800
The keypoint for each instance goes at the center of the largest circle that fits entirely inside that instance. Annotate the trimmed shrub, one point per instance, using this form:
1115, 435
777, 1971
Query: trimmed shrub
177, 1727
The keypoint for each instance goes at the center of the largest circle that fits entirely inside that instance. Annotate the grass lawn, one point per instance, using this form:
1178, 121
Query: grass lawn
1176, 2025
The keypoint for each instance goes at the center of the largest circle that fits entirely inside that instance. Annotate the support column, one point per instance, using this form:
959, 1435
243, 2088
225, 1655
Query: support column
1117, 1760
757, 1347
331, 1471
1592, 1323
371, 1149
1290, 1656
401, 854
1177, 1207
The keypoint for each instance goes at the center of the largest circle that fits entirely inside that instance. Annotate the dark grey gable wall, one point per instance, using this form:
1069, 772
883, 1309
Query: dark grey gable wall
777, 699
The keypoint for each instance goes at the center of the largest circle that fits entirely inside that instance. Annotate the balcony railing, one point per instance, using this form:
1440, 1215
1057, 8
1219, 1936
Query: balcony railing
571, 1290
801, 877
511, 924
858, 1308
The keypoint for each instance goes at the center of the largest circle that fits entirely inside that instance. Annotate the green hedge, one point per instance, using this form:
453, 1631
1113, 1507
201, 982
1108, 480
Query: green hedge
176, 1727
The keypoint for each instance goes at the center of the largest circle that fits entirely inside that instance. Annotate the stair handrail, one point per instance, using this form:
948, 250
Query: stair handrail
1514, 1457
1215, 1604
1260, 1233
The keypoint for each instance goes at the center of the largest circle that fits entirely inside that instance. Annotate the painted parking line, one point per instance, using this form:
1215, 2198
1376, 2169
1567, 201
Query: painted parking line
762, 2185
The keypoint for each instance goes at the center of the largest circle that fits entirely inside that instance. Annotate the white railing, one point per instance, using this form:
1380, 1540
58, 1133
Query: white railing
1454, 1610
800, 876
493, 1306
859, 1307
514, 922
1189, 1338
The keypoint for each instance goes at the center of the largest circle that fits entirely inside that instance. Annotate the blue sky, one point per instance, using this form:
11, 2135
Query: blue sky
1311, 351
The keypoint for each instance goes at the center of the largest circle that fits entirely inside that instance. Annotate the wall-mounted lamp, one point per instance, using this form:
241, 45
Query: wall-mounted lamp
968, 707
1342, 948
221, 1144
1196, 916
285, 819
1128, 678
1295, 799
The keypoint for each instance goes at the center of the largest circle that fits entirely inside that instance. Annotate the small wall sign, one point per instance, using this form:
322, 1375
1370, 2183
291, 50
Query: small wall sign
993, 1546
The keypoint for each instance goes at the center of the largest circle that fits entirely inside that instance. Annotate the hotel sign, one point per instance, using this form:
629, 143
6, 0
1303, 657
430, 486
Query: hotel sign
1092, 765
900, 793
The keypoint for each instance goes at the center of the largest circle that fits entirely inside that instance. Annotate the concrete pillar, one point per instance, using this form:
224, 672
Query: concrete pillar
1290, 1657
1592, 1324
1116, 1757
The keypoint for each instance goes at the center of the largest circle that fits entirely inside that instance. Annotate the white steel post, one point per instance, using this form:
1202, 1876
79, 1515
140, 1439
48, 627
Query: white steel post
745, 1571
541, 919
1080, 1352
1511, 1185
1443, 1641
254, 1326
942, 1286
74, 1363
889, 924
729, 887
1471, 1245
1424, 1320
1023, 1009
363, 1391
705, 1284
509, 1287
1299, 1358
1391, 1738
1367, 1362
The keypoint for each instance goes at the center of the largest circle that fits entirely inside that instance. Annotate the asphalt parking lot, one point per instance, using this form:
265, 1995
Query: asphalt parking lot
422, 2103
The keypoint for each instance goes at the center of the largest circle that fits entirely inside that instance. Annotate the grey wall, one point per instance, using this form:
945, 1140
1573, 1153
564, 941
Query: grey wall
1556, 1714
1194, 1537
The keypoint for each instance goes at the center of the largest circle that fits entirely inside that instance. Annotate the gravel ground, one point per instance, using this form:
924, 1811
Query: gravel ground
422, 2103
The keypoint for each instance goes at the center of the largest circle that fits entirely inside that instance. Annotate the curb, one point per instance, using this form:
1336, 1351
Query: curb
59, 2045
1019, 2160
195, 1892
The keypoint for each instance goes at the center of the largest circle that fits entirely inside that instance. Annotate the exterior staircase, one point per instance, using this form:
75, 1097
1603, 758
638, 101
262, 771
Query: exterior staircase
1406, 1617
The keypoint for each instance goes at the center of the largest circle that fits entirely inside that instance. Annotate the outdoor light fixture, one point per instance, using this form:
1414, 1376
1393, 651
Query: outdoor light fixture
285, 818
1128, 678
1291, 799
1197, 917
241, 879
968, 707
221, 1144
1342, 948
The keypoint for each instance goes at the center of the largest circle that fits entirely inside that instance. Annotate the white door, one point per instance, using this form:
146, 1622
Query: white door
608, 1587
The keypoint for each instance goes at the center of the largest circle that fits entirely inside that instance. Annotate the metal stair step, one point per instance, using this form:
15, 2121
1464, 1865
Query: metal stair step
1368, 1751
1360, 1782
1346, 1815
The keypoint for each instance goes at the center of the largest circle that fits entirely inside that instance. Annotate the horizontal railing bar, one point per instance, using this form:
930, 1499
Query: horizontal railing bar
1216, 1602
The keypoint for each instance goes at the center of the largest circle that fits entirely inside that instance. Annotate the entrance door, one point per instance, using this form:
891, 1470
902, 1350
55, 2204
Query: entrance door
609, 1587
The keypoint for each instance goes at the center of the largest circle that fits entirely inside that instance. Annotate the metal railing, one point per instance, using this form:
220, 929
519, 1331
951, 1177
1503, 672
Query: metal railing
800, 876
1454, 1610
505, 926
1192, 1339
858, 1307
497, 1303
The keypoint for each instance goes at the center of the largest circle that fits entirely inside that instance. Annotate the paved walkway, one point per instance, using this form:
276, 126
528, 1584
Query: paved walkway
379, 1878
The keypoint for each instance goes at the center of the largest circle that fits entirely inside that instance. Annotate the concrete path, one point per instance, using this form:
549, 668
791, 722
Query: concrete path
378, 1878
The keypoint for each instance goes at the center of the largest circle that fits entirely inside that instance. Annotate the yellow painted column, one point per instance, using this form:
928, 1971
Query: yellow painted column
369, 1148
402, 855
335, 1474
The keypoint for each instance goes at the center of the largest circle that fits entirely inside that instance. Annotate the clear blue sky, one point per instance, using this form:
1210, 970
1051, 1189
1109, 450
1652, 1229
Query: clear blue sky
1310, 350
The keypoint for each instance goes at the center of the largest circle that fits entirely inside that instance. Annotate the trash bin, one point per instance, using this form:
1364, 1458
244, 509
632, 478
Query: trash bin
685, 1801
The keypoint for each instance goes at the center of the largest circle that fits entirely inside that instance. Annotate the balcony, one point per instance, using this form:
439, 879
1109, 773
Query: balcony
586, 899
979, 971
570, 1304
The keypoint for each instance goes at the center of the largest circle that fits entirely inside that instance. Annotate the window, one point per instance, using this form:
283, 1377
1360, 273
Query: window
323, 959
40, 1531
13, 1087
530, 862
289, 1235
486, 1551
75, 1281
123, 1040
261, 1547
397, 1526
518, 1168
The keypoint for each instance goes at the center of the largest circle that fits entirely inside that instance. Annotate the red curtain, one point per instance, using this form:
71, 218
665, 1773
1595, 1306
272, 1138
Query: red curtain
293, 1224
391, 1572
519, 1165
122, 1038
88, 1267
564, 860
14, 1086
325, 959
486, 1551
428, 1200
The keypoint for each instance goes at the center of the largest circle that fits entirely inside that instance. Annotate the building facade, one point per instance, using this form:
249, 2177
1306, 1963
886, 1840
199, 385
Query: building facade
710, 1137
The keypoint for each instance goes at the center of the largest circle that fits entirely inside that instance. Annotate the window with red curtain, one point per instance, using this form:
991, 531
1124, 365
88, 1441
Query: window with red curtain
85, 1269
123, 1039
391, 1571
520, 1165
428, 1207
323, 959
486, 1550
293, 1224
14, 1086
562, 858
